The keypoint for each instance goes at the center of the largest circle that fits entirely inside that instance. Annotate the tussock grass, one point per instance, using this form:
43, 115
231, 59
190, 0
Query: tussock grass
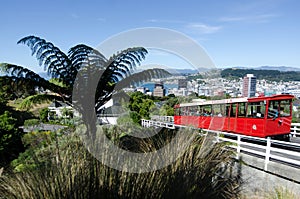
281, 193
204, 170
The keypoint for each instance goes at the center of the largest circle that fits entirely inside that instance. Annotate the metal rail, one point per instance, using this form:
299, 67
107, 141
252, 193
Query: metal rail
282, 152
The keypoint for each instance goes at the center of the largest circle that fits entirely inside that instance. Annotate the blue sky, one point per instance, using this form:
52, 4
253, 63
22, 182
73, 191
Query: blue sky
233, 33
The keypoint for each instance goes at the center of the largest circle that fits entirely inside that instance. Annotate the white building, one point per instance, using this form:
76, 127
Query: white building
58, 109
141, 89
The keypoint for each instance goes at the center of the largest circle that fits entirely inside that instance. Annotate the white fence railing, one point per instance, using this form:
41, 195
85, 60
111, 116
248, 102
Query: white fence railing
149, 123
162, 118
295, 129
283, 153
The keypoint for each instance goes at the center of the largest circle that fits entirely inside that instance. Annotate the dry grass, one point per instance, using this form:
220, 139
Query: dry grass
281, 193
203, 171
15, 104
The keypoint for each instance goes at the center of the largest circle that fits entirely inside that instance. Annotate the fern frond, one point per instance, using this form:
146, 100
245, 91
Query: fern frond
140, 77
32, 100
49, 55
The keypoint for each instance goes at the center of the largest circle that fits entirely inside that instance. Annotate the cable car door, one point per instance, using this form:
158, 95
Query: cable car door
273, 119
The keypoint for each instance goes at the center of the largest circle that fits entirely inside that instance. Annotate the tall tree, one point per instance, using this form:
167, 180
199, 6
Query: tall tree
81, 62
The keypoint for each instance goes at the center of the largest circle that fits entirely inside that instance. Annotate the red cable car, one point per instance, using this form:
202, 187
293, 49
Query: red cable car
266, 116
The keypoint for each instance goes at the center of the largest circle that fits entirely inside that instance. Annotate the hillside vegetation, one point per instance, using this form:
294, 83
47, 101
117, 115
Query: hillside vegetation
271, 75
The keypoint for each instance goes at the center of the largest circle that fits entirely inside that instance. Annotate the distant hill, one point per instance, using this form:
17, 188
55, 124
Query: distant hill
279, 68
189, 71
272, 75
182, 71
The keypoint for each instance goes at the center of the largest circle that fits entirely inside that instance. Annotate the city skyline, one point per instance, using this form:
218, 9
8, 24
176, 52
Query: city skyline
233, 33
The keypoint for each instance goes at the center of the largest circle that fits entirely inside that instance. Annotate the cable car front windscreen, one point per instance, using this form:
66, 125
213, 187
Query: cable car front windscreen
281, 108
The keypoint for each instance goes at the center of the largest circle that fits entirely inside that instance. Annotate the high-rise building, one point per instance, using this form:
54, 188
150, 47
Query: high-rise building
159, 90
249, 85
182, 83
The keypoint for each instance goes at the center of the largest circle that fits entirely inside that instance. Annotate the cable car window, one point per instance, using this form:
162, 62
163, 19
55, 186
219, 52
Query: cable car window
222, 110
285, 108
233, 110
193, 110
227, 110
206, 110
242, 109
218, 110
273, 109
198, 112
177, 111
256, 109
184, 110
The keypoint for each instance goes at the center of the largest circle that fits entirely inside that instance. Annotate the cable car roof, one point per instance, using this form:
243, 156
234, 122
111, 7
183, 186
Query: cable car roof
237, 100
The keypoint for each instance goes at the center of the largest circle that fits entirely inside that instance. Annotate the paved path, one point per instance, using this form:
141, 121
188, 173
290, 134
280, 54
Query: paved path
258, 184
43, 127
295, 140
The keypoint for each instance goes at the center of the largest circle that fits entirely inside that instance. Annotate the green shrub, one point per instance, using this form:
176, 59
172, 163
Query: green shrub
37, 144
31, 122
10, 138
44, 114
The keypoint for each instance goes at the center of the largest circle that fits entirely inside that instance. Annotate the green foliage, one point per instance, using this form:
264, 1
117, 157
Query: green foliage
166, 110
5, 93
168, 107
172, 101
44, 114
37, 144
136, 117
141, 106
24, 162
67, 113
127, 119
32, 100
57, 82
295, 119
10, 138
7, 122
31, 122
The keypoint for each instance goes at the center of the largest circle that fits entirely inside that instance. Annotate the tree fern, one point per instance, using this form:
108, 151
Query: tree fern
82, 62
